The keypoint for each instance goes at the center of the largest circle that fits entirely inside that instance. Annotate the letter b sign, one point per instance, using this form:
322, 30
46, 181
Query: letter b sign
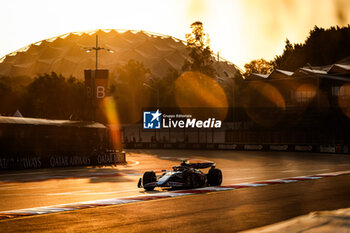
100, 92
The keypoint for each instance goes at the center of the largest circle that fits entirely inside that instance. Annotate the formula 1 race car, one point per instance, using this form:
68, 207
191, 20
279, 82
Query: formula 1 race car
187, 175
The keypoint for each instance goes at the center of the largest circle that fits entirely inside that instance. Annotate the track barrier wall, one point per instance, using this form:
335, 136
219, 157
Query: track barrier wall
331, 149
51, 161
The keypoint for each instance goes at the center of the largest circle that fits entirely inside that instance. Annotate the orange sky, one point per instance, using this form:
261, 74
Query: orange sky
241, 30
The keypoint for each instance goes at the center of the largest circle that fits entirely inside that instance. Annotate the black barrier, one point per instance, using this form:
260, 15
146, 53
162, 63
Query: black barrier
168, 146
52, 161
338, 149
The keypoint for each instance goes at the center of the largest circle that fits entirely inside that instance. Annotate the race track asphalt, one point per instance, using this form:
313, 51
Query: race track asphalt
227, 211
44, 187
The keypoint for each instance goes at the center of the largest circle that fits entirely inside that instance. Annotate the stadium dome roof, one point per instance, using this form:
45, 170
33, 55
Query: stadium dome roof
65, 54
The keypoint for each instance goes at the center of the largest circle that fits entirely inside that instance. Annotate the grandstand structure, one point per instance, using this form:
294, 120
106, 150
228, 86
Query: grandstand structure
64, 54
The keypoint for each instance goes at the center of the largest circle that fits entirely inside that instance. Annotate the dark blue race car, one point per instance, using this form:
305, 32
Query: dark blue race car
187, 175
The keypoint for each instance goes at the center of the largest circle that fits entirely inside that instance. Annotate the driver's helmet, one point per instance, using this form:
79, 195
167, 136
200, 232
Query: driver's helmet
185, 163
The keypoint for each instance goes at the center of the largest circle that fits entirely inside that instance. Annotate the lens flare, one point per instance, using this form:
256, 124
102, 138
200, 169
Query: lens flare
305, 93
344, 99
111, 114
264, 104
194, 90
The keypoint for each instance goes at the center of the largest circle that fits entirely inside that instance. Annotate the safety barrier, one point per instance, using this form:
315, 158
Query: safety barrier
21, 161
335, 149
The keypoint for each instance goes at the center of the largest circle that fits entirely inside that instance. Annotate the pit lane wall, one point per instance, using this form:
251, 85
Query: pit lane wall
134, 137
46, 143
338, 149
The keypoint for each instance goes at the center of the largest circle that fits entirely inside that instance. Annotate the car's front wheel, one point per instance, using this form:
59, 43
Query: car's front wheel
149, 177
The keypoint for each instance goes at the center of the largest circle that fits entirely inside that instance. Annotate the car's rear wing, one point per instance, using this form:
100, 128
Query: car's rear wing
201, 165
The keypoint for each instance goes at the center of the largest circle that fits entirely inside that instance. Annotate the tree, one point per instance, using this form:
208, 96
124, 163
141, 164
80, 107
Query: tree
129, 91
6, 98
11, 91
198, 44
133, 74
321, 47
260, 66
54, 96
166, 87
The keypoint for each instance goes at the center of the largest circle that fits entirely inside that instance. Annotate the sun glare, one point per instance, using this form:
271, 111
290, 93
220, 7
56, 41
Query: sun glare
113, 121
197, 90
240, 30
260, 97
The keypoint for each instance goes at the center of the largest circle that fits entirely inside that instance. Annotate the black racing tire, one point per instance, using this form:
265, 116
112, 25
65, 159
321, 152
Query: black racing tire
214, 177
149, 177
188, 179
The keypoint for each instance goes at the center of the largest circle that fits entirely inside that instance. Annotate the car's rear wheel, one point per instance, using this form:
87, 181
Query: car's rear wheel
149, 177
214, 177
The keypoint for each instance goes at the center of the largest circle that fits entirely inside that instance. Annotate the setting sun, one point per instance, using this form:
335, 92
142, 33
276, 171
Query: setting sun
239, 30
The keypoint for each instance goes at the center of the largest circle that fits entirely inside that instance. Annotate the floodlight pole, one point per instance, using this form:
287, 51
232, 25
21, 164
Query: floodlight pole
97, 48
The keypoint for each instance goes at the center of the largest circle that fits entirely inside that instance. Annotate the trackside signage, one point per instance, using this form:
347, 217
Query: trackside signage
157, 120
